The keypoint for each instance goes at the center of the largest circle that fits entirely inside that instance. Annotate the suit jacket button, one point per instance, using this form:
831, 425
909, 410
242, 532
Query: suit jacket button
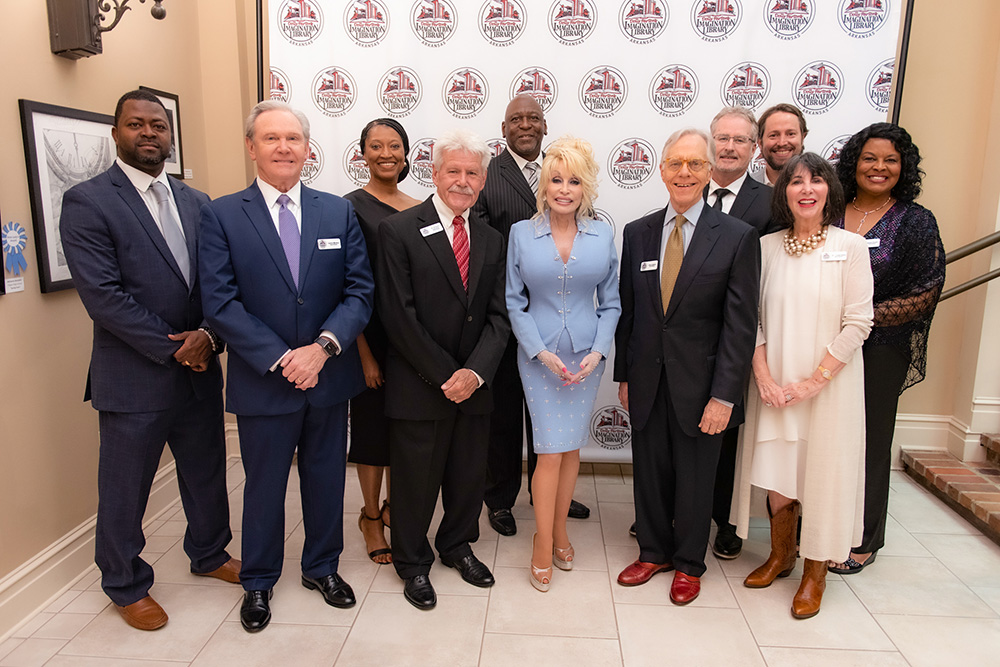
301, 301
469, 318
658, 360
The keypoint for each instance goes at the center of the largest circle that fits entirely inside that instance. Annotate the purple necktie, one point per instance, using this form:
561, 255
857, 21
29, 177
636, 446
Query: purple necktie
288, 230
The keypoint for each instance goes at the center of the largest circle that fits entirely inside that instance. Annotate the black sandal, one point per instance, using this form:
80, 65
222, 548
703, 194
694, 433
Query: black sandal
851, 566
381, 513
374, 553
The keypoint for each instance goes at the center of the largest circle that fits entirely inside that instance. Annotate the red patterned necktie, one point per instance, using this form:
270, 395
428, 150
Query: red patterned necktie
460, 244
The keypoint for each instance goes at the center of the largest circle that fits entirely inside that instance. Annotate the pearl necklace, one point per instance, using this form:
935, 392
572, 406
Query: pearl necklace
797, 248
865, 216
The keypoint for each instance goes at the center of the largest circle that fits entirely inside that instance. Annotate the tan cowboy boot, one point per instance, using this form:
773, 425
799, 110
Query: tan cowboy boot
781, 562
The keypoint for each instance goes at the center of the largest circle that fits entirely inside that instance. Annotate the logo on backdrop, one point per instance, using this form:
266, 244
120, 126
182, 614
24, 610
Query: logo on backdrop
611, 427
601, 214
833, 149
334, 91
501, 22
673, 90
465, 92
714, 20
281, 88
788, 19
631, 162
300, 21
313, 164
758, 167
355, 166
366, 21
433, 21
746, 85
863, 18
879, 86
572, 21
603, 91
817, 87
422, 162
399, 91
496, 145
643, 21
537, 82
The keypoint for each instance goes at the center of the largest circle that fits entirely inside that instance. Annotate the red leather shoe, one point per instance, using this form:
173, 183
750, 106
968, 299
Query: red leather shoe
640, 572
685, 588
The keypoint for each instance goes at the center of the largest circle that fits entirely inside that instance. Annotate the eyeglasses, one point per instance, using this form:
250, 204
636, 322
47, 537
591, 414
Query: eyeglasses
738, 139
674, 164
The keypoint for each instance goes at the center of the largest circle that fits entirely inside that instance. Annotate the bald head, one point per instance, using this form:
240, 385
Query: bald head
524, 126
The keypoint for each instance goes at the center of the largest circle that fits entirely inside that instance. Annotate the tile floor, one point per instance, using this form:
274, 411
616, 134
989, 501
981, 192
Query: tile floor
933, 598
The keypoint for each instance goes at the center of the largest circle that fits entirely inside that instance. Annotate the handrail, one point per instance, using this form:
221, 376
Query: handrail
965, 251
975, 282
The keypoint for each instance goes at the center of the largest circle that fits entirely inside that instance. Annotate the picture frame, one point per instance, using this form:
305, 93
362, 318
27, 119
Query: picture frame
62, 147
174, 164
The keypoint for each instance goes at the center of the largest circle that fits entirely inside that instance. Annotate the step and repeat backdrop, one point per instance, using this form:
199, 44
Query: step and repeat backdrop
621, 74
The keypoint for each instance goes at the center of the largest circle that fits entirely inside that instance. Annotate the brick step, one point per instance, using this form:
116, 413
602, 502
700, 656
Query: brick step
991, 441
970, 488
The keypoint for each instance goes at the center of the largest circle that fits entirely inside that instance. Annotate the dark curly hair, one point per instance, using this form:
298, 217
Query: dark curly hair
910, 174
833, 209
393, 125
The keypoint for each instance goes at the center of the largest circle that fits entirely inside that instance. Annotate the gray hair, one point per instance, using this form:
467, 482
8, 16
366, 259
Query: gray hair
275, 105
741, 112
688, 131
462, 141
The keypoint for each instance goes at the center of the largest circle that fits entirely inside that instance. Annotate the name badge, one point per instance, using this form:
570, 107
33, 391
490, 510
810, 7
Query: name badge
431, 229
833, 256
649, 266
874, 243
328, 244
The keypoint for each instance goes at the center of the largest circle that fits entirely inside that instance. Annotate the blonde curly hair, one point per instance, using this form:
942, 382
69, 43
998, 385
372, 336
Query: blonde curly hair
575, 157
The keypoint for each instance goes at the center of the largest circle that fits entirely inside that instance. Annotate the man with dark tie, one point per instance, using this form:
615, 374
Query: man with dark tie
782, 129
732, 190
287, 283
130, 237
508, 197
689, 284
441, 298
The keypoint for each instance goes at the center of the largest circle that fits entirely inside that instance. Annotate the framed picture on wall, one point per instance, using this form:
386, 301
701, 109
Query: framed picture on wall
175, 163
62, 147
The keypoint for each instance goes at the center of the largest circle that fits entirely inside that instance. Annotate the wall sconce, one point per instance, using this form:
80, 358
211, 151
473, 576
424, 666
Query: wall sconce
75, 26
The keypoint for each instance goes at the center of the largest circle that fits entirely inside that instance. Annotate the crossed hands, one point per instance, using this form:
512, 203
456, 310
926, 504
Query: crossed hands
195, 350
774, 395
302, 365
558, 368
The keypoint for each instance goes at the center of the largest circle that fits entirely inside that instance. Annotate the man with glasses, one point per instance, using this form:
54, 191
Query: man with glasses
689, 286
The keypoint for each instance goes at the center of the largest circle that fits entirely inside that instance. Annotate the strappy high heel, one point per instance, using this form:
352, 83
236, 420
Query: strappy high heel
541, 577
563, 558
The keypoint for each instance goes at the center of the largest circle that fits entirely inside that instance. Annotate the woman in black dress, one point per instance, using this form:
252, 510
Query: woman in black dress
385, 147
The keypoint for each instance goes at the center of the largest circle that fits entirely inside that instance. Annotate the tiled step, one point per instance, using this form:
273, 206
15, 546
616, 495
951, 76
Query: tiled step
971, 489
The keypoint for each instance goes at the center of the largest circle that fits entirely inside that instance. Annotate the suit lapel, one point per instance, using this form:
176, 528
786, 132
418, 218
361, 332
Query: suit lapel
311, 215
260, 220
706, 233
477, 254
514, 176
651, 251
442, 250
744, 198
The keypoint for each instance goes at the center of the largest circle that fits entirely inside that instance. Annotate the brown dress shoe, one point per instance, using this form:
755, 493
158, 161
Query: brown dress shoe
781, 562
228, 571
685, 588
144, 614
640, 572
807, 599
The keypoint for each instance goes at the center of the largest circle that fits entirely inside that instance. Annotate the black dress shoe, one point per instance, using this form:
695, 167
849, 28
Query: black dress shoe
419, 592
473, 570
727, 544
335, 590
578, 510
255, 612
503, 522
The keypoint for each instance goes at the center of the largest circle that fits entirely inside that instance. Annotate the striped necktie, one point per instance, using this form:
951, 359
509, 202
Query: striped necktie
531, 173
460, 244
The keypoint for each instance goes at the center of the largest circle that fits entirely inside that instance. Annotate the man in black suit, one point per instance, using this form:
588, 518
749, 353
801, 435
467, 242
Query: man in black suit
441, 297
689, 284
508, 197
732, 190
130, 237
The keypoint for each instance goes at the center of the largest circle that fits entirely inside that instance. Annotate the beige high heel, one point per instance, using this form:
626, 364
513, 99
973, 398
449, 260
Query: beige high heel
563, 558
541, 577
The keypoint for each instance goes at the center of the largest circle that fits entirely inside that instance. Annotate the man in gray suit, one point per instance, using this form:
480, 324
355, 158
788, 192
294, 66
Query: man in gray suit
130, 237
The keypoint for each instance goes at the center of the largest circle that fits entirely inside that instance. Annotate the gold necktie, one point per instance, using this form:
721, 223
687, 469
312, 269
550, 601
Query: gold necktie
673, 255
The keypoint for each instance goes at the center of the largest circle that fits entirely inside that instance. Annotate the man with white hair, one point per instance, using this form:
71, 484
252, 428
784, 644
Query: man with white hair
441, 296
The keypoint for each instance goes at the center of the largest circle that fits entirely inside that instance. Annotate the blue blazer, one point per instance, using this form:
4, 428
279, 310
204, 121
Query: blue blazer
541, 303
251, 300
134, 291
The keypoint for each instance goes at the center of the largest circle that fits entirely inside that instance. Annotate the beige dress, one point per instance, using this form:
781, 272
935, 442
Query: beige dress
812, 451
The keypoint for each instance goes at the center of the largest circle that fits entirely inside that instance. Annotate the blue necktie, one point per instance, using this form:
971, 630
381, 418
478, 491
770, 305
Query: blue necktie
288, 230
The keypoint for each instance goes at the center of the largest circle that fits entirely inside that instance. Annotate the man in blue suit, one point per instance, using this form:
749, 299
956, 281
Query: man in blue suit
130, 237
287, 283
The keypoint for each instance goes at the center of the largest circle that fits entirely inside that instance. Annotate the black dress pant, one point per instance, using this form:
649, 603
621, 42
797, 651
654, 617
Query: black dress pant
674, 476
507, 428
725, 476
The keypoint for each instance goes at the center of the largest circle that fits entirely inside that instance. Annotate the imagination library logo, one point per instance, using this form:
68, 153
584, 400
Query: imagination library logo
673, 90
611, 427
300, 21
313, 165
715, 20
603, 91
746, 85
281, 89
433, 21
366, 21
879, 86
422, 162
572, 21
788, 19
355, 166
334, 91
538, 83
465, 92
863, 18
631, 162
817, 87
496, 146
643, 21
399, 91
501, 22
833, 149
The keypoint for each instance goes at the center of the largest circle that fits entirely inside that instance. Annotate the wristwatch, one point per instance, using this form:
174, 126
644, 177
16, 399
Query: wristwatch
328, 346
825, 372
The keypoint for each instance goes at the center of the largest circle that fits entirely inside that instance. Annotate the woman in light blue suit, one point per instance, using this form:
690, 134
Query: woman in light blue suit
556, 262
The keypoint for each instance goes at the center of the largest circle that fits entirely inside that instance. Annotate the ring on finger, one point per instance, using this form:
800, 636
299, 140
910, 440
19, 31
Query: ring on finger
788, 397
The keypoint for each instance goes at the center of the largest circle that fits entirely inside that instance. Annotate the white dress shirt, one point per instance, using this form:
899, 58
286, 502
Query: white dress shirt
143, 182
